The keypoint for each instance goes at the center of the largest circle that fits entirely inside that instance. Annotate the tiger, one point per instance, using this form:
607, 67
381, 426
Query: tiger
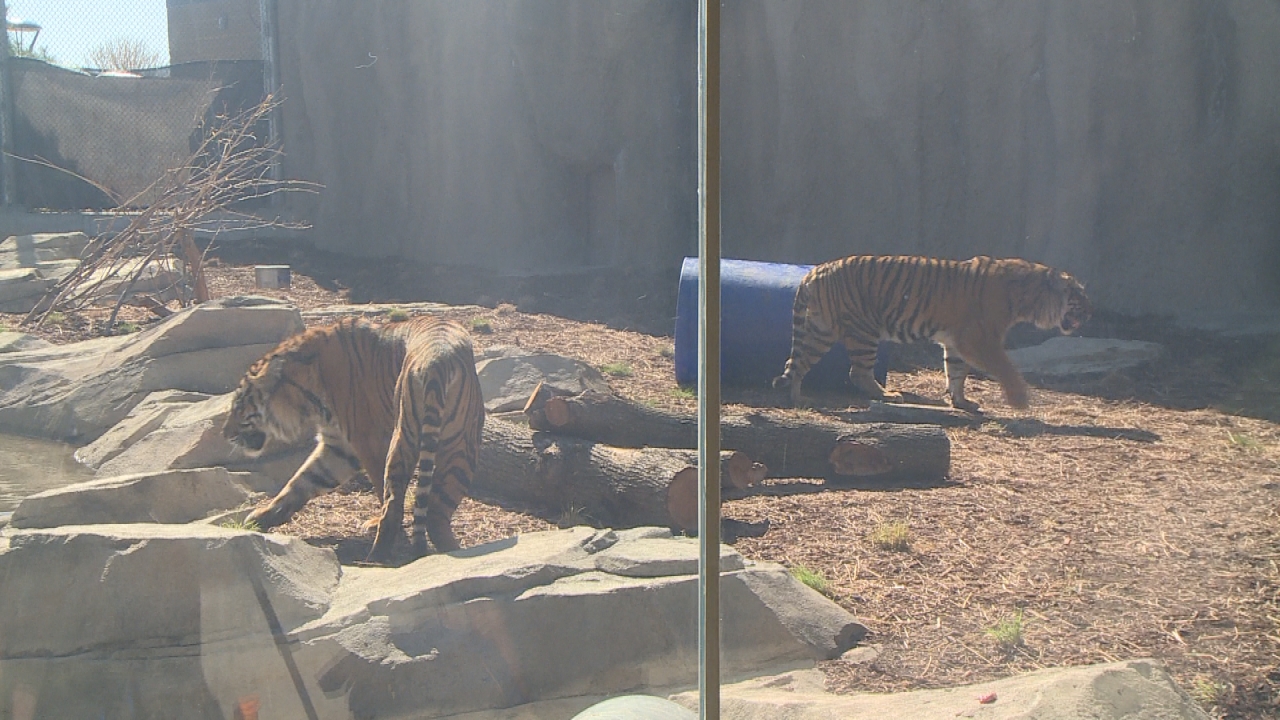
967, 307
387, 400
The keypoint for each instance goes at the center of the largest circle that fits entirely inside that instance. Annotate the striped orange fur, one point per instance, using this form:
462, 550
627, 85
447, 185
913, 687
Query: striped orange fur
395, 401
965, 306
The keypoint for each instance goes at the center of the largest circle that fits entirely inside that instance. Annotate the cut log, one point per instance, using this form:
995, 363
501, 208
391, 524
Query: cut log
558, 478
913, 415
794, 447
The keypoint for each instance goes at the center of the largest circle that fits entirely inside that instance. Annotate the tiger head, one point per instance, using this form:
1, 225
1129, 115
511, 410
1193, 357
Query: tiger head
1063, 305
276, 401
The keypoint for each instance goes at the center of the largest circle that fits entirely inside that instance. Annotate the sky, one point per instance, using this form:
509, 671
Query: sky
71, 29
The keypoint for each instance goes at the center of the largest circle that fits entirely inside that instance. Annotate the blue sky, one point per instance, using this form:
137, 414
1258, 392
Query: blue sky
73, 28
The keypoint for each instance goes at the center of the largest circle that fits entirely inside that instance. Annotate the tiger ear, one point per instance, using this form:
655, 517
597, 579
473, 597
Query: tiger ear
275, 368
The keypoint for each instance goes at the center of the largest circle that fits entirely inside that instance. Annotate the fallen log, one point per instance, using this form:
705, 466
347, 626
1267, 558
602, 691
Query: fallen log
813, 447
908, 414
560, 478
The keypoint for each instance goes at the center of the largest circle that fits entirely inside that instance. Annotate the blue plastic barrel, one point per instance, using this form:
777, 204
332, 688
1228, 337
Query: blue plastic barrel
755, 326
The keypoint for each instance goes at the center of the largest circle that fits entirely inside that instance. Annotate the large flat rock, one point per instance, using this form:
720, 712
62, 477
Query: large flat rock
187, 620
1066, 355
76, 392
174, 497
1127, 690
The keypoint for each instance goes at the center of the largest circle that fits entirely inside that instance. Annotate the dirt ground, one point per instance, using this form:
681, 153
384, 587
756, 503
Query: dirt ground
1131, 515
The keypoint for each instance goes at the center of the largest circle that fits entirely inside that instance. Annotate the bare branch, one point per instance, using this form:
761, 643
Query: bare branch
228, 167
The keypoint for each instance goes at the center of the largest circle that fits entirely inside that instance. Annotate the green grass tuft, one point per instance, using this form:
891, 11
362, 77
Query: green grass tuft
1207, 691
617, 369
397, 314
895, 536
685, 393
1008, 632
812, 578
481, 325
248, 525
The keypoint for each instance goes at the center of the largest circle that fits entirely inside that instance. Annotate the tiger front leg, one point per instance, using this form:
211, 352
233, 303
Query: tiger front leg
329, 465
992, 360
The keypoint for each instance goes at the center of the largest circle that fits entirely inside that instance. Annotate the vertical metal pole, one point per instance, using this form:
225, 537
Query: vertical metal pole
709, 358
271, 83
7, 191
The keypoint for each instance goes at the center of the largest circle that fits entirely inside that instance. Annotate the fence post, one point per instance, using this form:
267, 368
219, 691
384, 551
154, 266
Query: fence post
6, 117
270, 84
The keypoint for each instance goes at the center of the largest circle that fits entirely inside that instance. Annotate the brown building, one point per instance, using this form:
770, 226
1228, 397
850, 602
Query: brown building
201, 30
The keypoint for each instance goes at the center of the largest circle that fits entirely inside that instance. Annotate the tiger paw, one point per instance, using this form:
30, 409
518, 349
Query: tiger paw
963, 403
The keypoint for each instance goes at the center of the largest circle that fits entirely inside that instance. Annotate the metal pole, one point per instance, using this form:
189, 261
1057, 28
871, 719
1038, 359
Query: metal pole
6, 116
709, 358
271, 83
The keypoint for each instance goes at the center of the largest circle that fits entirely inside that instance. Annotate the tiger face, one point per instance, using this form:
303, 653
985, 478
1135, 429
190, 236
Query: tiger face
1079, 309
271, 405
1062, 305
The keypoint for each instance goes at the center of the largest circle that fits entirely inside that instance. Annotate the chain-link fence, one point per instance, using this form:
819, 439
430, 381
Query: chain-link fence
102, 98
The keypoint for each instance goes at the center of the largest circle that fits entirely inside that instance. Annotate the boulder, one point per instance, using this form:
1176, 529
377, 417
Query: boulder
1134, 689
509, 375
538, 618
163, 621
22, 288
175, 496
19, 342
76, 392
188, 620
1067, 355
174, 429
33, 250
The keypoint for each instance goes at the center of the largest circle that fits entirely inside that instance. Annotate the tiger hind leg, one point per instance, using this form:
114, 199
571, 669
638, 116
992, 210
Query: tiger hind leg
402, 460
957, 371
862, 360
809, 342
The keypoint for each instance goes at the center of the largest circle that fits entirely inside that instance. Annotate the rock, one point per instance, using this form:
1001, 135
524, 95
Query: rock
166, 621
174, 429
78, 391
22, 288
537, 618
1136, 689
20, 342
31, 264
176, 496
32, 250
181, 620
1067, 355
508, 380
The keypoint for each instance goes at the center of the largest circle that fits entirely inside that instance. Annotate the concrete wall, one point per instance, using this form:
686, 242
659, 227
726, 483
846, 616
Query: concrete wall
1135, 143
524, 136
202, 30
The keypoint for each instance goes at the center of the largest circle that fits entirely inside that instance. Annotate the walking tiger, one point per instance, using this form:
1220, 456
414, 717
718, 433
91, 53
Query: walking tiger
965, 306
390, 400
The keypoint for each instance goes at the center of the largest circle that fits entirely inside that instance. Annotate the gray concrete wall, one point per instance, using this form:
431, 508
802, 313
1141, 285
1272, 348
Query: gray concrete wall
1135, 143
524, 136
